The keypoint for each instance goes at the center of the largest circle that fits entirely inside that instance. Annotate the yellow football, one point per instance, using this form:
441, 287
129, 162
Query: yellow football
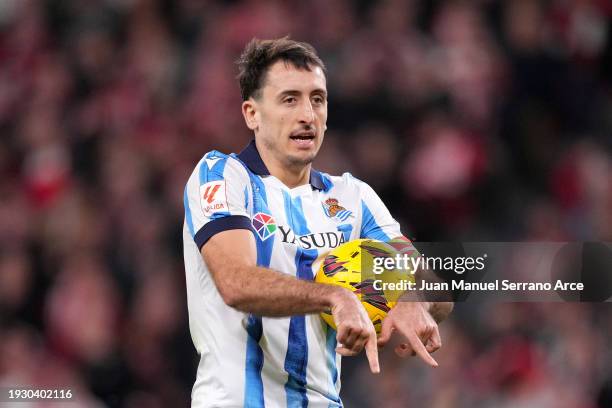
351, 266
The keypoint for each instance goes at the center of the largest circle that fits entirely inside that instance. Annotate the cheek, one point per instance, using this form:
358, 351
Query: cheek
322, 114
322, 122
283, 125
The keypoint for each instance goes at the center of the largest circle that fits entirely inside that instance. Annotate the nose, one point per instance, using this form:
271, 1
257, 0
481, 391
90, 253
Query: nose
307, 114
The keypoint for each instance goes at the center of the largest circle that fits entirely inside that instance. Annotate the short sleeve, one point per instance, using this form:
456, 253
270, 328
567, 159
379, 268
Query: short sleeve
376, 220
216, 197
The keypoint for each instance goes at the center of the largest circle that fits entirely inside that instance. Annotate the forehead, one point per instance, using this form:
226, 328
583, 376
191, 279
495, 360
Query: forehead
283, 76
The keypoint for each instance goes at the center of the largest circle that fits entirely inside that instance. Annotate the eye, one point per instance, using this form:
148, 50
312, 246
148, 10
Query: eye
319, 100
290, 100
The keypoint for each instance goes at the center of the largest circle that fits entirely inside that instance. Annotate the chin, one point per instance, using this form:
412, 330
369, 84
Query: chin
301, 160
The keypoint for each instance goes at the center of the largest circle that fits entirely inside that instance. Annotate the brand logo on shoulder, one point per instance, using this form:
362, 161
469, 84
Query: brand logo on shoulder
264, 225
334, 210
210, 191
213, 198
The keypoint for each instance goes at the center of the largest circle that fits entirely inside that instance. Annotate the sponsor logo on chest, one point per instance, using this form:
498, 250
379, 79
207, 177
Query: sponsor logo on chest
314, 240
265, 227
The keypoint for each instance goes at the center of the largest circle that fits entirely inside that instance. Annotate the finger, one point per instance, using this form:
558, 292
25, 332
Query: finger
355, 348
431, 348
436, 339
343, 351
417, 345
359, 343
372, 352
352, 339
342, 334
425, 333
434, 342
419, 348
404, 350
385, 331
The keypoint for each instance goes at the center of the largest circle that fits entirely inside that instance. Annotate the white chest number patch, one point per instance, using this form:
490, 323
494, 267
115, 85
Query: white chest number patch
213, 198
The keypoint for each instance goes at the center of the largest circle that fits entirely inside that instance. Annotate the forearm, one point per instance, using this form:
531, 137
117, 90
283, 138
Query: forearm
230, 257
266, 292
437, 303
440, 310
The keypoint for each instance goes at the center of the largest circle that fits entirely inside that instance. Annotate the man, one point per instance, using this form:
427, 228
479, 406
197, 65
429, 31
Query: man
255, 224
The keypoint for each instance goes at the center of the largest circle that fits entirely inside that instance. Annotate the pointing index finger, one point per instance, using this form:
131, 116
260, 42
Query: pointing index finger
419, 348
371, 350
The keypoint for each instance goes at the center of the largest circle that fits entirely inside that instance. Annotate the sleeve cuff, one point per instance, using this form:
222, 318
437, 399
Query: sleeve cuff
221, 224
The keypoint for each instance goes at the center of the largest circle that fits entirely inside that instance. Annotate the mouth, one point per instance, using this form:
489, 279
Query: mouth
303, 139
306, 135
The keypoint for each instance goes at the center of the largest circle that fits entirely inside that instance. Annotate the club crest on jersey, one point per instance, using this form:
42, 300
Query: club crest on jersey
264, 225
334, 210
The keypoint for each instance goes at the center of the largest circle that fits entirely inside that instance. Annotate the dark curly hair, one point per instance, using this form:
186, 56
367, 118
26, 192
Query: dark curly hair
259, 55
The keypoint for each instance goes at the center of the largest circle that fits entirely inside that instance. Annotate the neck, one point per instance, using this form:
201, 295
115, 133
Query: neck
292, 179
290, 176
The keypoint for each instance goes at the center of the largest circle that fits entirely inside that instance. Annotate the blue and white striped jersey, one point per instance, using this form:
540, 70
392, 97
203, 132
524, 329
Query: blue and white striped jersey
252, 361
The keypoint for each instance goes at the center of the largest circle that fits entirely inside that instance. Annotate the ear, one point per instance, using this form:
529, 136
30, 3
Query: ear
250, 114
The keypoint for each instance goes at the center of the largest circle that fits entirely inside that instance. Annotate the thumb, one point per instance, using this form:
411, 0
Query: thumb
385, 331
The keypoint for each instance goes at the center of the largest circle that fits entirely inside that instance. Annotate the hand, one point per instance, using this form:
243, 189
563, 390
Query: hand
355, 330
413, 321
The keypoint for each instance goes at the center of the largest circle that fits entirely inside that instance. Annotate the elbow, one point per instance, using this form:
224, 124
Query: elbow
227, 283
230, 297
233, 296
234, 288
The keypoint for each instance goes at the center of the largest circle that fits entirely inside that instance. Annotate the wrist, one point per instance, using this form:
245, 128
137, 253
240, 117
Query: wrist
427, 306
411, 299
336, 295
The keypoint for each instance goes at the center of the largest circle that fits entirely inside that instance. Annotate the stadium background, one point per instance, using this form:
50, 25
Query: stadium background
474, 120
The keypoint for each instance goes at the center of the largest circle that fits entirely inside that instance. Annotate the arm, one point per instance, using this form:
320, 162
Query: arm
417, 321
439, 309
230, 256
231, 259
413, 318
439, 305
416, 315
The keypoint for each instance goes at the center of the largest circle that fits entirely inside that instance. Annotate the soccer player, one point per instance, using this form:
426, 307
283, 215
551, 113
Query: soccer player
255, 224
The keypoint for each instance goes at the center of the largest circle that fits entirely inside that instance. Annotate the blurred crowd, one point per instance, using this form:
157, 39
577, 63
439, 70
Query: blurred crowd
474, 120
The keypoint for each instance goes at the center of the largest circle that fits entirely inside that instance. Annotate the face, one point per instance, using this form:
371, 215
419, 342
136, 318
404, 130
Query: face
290, 114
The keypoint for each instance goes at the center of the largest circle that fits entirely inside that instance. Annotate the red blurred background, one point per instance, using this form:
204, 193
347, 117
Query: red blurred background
473, 120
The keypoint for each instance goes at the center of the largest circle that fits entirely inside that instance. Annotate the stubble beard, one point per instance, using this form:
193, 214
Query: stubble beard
298, 162
288, 160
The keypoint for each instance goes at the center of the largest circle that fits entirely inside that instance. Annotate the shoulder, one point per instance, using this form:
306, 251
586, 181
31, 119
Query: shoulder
217, 164
214, 166
346, 182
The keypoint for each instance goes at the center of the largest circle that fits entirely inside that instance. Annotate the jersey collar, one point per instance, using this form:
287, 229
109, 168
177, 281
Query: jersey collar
250, 156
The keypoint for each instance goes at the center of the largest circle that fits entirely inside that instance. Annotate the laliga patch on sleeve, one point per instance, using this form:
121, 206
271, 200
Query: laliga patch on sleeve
213, 198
